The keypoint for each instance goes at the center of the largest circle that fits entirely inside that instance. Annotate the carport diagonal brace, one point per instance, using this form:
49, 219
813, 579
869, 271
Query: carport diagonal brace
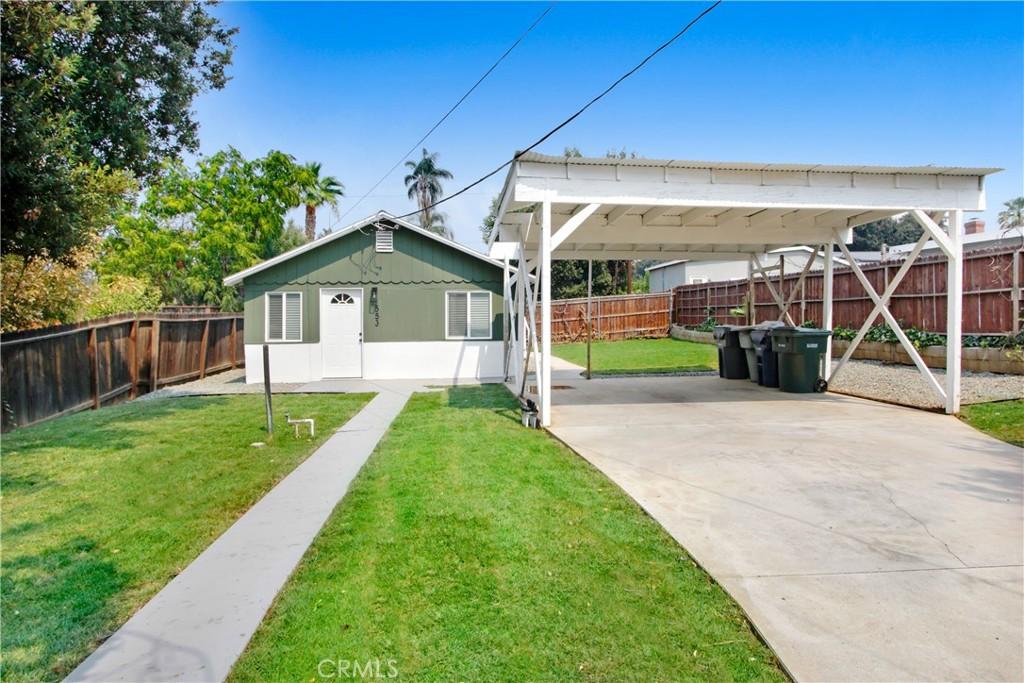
881, 306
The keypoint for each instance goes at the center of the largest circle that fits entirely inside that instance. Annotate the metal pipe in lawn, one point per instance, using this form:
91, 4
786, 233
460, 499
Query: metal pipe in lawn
266, 390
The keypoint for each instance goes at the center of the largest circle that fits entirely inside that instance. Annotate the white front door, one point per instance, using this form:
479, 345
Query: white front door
341, 332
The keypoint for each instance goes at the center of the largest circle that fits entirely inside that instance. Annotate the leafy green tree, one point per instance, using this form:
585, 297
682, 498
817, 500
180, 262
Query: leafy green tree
424, 185
52, 204
93, 93
139, 70
1012, 216
196, 227
889, 231
120, 294
316, 192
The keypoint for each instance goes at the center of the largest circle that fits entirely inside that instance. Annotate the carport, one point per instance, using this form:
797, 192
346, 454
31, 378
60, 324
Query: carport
601, 208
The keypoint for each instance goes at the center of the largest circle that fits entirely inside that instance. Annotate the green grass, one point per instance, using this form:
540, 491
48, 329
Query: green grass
101, 509
470, 548
642, 356
1003, 419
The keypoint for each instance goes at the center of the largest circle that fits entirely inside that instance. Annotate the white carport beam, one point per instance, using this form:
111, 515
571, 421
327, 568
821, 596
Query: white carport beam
783, 310
932, 229
616, 213
569, 227
694, 214
654, 214
544, 380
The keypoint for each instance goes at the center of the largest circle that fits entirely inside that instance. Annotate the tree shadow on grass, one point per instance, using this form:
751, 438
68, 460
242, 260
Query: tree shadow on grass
56, 602
112, 427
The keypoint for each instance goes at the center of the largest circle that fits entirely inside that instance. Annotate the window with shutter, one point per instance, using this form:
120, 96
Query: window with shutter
468, 315
284, 316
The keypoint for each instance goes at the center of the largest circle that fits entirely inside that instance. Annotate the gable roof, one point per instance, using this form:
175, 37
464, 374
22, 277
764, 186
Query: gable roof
238, 277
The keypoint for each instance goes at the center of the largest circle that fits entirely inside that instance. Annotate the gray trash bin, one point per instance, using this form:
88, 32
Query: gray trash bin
747, 344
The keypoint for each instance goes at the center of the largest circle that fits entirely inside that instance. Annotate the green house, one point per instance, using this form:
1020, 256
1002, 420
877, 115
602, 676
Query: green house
381, 299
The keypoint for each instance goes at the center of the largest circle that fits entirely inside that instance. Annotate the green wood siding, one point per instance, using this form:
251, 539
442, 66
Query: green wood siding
411, 284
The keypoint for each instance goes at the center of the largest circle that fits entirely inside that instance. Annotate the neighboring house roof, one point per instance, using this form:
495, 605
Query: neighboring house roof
784, 250
666, 264
236, 278
978, 240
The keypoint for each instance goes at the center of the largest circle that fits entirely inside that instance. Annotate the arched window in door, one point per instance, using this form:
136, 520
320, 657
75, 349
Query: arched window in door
342, 298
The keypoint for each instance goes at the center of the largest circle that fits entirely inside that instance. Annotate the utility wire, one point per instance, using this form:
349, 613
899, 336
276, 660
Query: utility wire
572, 118
449, 112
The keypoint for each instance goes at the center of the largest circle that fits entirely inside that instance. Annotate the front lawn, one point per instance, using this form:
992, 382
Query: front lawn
470, 548
101, 509
642, 356
1003, 419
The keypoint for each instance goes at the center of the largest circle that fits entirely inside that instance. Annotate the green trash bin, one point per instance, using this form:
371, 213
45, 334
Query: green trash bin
800, 350
732, 361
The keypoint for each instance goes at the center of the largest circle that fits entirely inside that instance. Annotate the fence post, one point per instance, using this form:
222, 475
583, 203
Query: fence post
133, 357
94, 368
154, 354
266, 391
1015, 292
234, 342
203, 346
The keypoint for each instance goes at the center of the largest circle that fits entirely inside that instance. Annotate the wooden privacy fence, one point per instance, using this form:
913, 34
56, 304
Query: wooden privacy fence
63, 369
614, 317
991, 298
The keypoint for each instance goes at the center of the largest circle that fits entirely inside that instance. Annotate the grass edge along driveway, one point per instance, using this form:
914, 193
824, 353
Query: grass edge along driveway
470, 548
1003, 420
665, 355
101, 509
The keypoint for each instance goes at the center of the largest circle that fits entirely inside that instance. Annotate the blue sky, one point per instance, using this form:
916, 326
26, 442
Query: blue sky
354, 85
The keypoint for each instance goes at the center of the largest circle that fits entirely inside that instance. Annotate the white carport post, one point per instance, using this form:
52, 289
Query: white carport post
954, 309
544, 378
826, 307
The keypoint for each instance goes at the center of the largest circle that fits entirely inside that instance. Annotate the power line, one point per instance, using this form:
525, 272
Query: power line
572, 118
449, 112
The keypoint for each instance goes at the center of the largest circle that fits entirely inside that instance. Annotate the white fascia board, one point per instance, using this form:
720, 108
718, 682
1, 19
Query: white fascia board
238, 277
729, 195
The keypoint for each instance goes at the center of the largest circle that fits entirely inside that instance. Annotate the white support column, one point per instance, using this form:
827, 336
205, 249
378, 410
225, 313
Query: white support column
506, 315
544, 385
826, 307
954, 309
521, 277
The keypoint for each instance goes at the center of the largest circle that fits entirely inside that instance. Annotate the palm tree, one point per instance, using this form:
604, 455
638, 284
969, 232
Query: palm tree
316, 192
1012, 217
424, 185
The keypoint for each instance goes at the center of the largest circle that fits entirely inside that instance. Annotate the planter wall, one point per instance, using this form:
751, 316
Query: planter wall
973, 359
680, 332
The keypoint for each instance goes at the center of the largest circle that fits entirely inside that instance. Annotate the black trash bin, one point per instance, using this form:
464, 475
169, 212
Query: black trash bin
732, 361
767, 359
800, 351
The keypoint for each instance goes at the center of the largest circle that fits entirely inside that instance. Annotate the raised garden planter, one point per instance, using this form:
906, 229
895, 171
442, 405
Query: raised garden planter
680, 332
974, 359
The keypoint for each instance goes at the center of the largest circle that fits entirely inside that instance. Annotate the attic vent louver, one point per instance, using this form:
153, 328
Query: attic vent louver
385, 241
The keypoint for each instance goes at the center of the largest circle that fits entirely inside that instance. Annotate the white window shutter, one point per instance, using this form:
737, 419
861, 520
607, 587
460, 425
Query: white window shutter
480, 315
457, 314
275, 317
293, 316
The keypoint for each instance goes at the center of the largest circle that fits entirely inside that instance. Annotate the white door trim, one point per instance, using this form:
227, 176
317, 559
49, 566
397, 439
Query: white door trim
362, 342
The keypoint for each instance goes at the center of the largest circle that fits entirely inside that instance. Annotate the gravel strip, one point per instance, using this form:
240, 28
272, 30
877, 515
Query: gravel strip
904, 384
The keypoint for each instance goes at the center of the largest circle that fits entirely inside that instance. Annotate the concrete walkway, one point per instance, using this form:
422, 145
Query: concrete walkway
199, 624
866, 542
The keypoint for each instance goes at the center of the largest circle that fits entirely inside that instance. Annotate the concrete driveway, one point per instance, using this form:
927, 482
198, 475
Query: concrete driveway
865, 541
